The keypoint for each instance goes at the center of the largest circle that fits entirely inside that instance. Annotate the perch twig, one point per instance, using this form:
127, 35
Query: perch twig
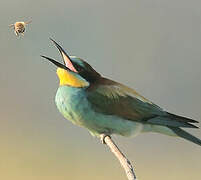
125, 163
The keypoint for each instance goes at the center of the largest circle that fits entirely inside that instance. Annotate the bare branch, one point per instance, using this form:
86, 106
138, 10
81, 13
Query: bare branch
125, 163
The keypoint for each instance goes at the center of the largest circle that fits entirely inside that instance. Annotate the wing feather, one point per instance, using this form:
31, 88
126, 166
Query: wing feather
112, 98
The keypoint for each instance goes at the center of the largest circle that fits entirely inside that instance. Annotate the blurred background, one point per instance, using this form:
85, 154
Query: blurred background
153, 46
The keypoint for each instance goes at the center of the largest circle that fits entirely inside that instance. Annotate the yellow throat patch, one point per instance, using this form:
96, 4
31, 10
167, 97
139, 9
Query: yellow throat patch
70, 78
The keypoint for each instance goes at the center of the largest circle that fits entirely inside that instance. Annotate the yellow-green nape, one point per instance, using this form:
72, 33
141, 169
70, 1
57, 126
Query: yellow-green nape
70, 78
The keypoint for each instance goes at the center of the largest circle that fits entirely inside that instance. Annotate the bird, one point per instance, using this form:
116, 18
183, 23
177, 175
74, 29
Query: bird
106, 107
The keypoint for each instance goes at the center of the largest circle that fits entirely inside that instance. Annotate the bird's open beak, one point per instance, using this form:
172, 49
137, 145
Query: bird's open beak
66, 59
56, 63
68, 65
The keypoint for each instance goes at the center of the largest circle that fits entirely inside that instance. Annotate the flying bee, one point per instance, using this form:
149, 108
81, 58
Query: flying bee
19, 27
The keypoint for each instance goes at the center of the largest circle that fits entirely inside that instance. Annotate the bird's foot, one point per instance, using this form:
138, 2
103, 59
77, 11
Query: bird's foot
102, 138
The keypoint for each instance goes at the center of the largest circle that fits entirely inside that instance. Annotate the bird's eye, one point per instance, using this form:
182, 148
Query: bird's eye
79, 68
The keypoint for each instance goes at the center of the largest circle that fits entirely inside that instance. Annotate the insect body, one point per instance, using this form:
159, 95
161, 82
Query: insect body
19, 27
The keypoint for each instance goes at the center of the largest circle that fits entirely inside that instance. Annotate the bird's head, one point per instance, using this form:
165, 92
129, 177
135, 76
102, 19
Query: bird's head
74, 71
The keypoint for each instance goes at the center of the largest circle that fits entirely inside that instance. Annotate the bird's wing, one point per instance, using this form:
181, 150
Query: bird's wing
111, 98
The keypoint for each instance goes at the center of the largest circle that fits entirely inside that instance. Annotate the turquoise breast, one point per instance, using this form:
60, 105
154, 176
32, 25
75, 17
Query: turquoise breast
72, 104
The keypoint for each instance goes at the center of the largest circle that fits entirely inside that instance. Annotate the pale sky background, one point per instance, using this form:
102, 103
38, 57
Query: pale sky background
153, 46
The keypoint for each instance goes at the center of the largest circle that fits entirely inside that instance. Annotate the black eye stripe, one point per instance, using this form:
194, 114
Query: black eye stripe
77, 67
87, 72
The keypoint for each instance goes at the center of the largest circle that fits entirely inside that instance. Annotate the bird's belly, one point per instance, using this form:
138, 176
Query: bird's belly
110, 124
75, 107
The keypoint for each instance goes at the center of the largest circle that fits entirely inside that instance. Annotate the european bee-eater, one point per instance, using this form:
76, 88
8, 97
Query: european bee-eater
104, 106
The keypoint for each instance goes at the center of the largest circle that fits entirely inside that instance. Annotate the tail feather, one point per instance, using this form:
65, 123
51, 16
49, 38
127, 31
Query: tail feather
181, 118
180, 121
186, 135
169, 121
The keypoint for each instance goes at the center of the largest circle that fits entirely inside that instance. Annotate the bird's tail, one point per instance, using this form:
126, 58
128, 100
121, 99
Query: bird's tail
185, 135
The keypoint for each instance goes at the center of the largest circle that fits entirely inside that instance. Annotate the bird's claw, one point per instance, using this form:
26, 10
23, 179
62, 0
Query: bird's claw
102, 138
